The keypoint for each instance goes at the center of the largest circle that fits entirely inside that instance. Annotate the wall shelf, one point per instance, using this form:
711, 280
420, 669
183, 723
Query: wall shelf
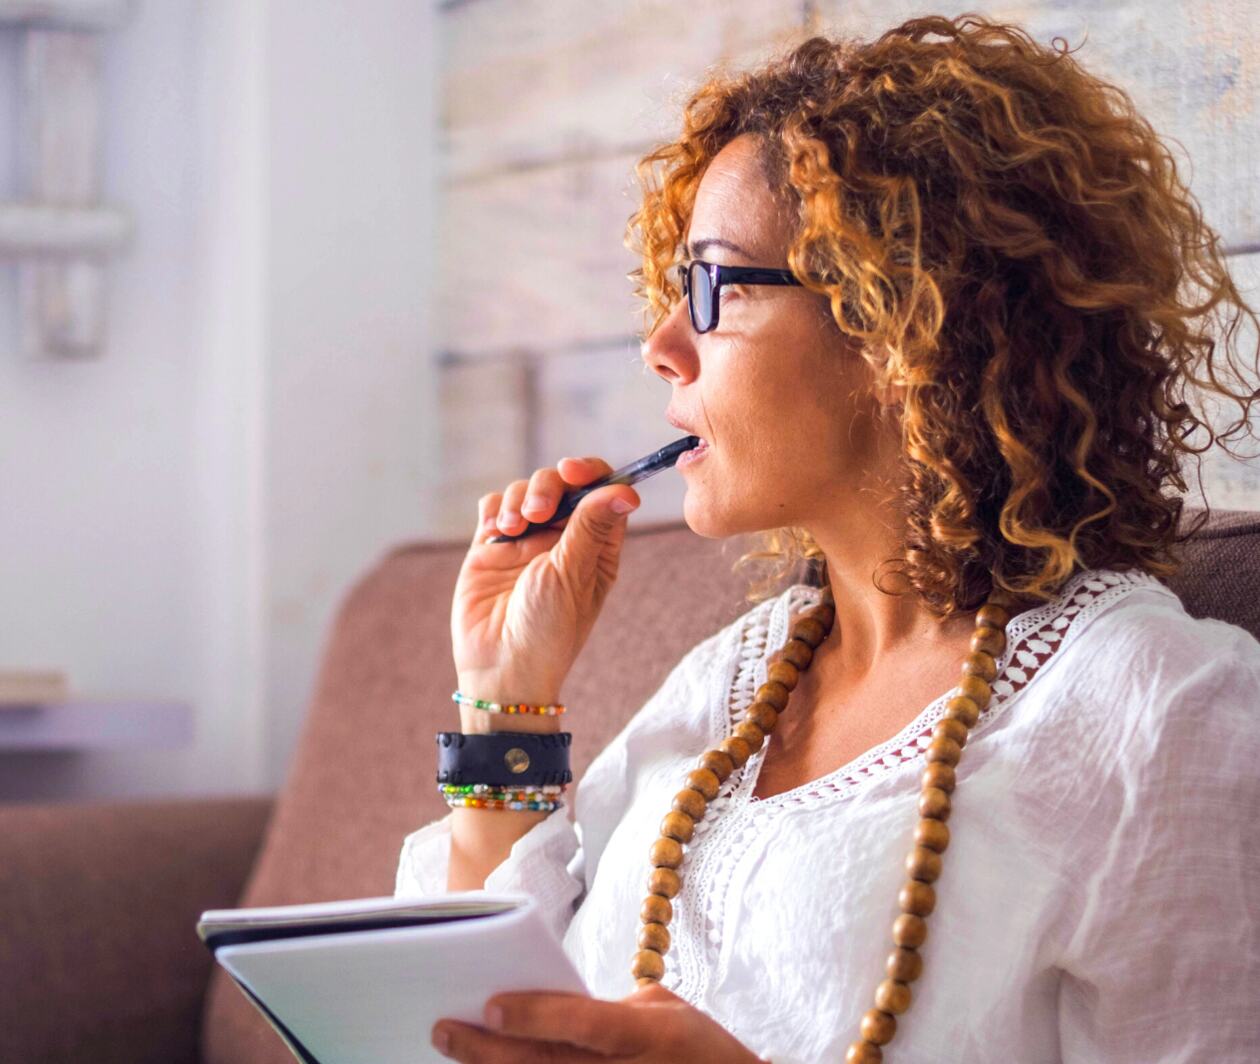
86, 723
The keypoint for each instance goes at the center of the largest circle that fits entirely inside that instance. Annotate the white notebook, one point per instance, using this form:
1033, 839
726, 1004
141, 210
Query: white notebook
364, 981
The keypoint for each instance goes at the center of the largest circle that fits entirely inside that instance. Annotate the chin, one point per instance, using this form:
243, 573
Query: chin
713, 522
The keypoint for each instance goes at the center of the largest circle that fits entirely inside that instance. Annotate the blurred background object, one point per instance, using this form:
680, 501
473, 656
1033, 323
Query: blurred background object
375, 268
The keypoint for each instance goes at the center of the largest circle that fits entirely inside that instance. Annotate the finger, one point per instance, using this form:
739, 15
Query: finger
579, 471
487, 516
606, 1027
510, 519
542, 495
476, 1045
590, 542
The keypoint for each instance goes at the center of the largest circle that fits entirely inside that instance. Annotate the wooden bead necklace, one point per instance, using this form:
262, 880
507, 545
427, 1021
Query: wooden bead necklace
923, 865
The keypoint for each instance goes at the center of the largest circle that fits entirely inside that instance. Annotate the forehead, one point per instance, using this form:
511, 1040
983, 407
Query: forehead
734, 203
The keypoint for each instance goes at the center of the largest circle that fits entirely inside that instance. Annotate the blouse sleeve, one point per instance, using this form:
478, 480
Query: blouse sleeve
546, 862
1163, 963
556, 860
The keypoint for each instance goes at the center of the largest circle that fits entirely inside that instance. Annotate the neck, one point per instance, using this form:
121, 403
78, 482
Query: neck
873, 627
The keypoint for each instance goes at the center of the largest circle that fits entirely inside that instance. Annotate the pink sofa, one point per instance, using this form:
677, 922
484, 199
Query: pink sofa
79, 982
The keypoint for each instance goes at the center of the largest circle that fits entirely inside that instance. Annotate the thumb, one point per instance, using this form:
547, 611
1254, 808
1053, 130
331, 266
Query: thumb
592, 531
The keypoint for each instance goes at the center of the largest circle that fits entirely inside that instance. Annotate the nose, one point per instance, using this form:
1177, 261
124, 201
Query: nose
671, 349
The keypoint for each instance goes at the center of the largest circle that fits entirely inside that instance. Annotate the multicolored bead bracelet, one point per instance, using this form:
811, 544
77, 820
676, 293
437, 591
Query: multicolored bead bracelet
545, 798
471, 801
511, 707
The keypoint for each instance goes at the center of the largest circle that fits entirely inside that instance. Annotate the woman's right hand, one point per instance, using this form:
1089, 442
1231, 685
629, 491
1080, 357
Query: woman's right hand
523, 609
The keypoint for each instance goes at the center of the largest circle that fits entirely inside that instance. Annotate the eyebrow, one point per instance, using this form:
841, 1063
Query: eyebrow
694, 251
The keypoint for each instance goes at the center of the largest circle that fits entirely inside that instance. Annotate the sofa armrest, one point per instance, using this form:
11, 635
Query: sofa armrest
99, 955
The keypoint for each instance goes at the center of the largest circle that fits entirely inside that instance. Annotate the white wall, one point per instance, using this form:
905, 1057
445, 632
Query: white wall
180, 516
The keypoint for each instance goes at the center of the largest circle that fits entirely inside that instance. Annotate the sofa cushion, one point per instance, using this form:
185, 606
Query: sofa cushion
362, 776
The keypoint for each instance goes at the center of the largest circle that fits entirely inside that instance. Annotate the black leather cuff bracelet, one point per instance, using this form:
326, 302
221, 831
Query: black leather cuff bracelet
516, 759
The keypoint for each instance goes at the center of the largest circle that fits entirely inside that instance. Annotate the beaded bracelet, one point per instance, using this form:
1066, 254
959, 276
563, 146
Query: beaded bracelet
488, 796
511, 707
470, 801
496, 789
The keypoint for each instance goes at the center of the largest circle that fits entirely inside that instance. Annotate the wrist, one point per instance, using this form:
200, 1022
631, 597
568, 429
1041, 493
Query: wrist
473, 721
497, 690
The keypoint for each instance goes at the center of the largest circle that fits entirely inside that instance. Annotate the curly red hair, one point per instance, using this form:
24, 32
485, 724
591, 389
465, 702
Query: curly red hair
1004, 235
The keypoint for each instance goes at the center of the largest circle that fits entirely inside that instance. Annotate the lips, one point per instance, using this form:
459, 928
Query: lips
679, 423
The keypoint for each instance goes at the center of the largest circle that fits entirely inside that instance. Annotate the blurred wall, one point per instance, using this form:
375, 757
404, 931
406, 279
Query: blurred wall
547, 104
181, 515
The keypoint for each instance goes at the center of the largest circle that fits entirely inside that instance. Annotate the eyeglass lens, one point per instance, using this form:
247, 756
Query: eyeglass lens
701, 297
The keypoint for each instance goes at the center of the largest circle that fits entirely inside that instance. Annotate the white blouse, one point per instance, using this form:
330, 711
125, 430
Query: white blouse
1100, 898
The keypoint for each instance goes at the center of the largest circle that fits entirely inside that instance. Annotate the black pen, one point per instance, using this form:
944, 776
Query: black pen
645, 467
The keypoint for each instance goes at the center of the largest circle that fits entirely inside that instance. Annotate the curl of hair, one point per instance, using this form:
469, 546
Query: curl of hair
1009, 240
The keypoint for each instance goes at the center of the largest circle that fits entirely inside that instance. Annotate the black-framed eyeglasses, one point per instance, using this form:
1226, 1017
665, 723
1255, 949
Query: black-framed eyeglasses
702, 285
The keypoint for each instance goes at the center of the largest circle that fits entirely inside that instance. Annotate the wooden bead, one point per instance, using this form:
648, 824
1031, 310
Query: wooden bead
717, 762
706, 782
923, 864
690, 801
892, 996
808, 630
762, 714
933, 834
977, 689
668, 882
648, 964
934, 803
917, 898
978, 663
951, 728
944, 750
644, 980
774, 693
666, 853
910, 930
904, 964
939, 775
654, 936
656, 910
678, 826
750, 733
990, 640
878, 1026
799, 653
991, 615
783, 672
863, 1053
824, 614
738, 748
962, 709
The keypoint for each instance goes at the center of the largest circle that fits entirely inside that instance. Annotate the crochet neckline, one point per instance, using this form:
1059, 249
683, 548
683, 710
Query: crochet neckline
1033, 639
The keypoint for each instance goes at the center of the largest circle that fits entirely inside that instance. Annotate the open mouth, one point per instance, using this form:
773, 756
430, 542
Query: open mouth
695, 454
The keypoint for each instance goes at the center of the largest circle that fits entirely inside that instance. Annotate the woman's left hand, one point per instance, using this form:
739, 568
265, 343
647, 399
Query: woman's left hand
650, 1026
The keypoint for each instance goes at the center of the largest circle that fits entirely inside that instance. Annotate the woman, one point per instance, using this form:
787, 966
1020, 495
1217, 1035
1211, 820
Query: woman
969, 392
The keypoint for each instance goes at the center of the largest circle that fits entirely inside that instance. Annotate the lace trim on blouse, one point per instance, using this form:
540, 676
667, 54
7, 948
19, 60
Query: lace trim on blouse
736, 815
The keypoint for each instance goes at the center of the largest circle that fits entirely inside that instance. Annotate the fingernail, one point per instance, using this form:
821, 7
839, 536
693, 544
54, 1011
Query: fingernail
508, 517
494, 1016
621, 506
441, 1039
489, 524
534, 502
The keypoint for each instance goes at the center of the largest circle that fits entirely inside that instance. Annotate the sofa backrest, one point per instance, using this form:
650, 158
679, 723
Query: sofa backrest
362, 776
